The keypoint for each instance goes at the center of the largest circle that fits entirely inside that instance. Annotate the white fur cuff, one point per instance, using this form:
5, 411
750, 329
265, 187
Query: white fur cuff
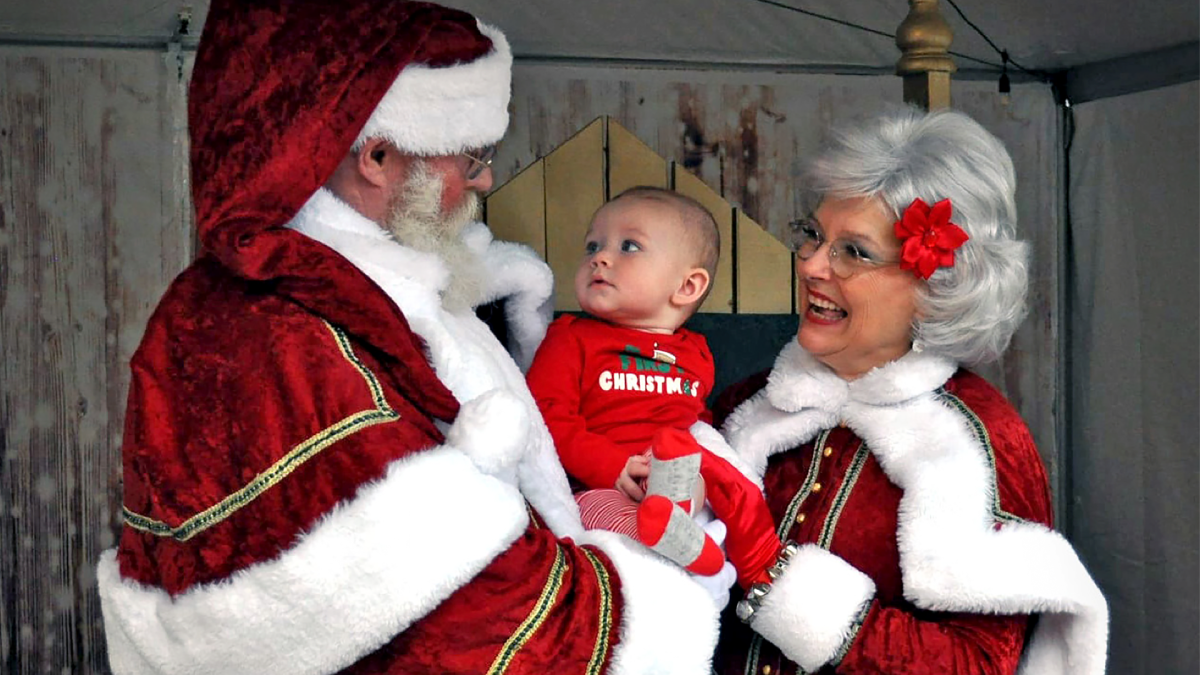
813, 610
493, 430
714, 442
371, 567
669, 623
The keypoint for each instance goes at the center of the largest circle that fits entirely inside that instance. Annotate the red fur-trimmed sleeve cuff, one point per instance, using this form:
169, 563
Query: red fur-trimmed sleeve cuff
813, 611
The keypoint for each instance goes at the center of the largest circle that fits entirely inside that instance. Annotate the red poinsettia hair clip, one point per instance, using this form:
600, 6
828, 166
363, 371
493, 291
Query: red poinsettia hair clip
929, 237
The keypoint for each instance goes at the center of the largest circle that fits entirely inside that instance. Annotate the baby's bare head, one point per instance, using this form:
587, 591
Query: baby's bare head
699, 227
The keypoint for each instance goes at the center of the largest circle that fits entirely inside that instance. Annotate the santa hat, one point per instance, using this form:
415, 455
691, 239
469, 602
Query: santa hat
283, 89
452, 96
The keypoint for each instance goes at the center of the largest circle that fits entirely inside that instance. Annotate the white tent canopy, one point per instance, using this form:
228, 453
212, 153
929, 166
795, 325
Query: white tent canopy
1103, 39
95, 218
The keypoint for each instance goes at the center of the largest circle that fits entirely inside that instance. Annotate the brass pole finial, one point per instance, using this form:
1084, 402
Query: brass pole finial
924, 40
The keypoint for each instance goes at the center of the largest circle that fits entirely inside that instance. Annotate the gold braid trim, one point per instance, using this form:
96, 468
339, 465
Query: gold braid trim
839, 502
985, 440
600, 652
298, 455
537, 615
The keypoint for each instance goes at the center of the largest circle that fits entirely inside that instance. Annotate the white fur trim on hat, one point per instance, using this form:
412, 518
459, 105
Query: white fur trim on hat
444, 111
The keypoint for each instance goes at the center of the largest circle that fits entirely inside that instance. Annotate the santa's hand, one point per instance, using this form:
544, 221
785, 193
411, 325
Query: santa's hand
718, 584
712, 525
493, 430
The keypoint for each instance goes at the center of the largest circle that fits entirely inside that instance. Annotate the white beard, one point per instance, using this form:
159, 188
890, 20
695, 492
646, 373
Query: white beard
415, 219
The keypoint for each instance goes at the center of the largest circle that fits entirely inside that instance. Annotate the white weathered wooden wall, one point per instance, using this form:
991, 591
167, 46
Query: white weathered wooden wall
95, 222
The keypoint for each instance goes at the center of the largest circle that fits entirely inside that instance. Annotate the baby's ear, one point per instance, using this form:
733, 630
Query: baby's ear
692, 289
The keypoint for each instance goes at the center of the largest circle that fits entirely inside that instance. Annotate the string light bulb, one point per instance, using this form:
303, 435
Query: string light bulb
1005, 85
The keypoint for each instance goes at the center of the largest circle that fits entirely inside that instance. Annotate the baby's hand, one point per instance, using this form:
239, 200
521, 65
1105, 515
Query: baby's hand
632, 476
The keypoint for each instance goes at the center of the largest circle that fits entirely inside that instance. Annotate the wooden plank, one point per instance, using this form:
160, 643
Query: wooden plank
764, 270
94, 223
720, 299
516, 211
150, 234
631, 162
695, 130
574, 190
14, 299
55, 417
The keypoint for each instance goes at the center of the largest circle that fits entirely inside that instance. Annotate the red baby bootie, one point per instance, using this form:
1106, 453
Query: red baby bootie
674, 467
669, 531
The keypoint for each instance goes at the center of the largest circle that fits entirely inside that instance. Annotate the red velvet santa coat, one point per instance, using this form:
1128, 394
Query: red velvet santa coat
287, 503
923, 509
303, 493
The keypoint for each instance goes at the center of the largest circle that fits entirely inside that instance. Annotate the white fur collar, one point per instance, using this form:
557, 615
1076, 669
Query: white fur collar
414, 279
799, 381
465, 355
803, 396
951, 556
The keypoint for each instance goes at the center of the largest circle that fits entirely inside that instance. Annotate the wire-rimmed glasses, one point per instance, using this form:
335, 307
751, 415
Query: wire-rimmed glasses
847, 257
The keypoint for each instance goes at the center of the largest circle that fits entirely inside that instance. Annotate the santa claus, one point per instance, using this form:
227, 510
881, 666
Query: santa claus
330, 463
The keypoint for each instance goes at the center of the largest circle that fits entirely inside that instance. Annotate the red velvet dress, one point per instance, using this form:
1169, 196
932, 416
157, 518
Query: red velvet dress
832, 492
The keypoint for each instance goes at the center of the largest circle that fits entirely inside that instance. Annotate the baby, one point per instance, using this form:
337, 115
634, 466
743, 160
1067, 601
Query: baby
621, 388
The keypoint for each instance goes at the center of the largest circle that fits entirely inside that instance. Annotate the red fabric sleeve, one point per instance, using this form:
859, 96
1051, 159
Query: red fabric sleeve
707, 378
216, 402
555, 380
897, 641
735, 394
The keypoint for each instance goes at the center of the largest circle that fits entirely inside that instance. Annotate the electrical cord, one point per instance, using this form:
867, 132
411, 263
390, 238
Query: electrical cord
1040, 75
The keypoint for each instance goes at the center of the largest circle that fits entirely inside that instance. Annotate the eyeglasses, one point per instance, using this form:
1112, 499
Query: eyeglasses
480, 160
846, 257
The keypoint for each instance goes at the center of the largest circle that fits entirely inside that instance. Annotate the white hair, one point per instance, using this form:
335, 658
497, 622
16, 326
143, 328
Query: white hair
416, 220
967, 312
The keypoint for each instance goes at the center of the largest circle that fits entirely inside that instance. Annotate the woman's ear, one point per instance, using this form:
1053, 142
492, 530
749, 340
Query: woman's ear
692, 289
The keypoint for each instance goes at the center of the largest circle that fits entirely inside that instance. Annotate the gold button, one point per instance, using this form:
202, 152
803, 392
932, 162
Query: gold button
766, 670
828, 451
842, 424
800, 518
816, 487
